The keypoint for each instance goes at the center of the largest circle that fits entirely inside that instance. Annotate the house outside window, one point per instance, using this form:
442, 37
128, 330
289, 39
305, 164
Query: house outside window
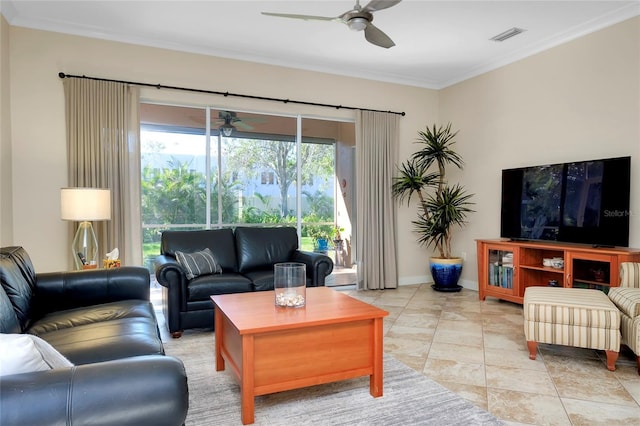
267, 178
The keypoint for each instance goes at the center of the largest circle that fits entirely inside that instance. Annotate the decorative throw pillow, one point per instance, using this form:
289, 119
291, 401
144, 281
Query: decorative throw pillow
198, 263
23, 353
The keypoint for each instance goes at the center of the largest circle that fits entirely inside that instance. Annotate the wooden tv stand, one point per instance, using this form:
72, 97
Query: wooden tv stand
506, 268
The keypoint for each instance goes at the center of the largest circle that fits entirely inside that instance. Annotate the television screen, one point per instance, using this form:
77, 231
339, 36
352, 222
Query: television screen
581, 202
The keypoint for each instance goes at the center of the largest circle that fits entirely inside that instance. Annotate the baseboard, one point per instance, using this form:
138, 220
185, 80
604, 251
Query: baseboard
422, 279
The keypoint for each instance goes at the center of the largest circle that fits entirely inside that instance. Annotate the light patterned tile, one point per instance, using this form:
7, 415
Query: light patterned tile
562, 365
414, 333
458, 337
505, 341
462, 315
474, 354
520, 380
406, 346
593, 388
526, 408
450, 371
633, 387
513, 358
589, 413
417, 319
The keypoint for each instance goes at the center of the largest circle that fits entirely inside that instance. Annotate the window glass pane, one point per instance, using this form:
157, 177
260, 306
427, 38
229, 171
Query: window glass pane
173, 165
266, 188
318, 184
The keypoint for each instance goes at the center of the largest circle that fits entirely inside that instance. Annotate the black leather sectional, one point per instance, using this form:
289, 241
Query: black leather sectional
246, 255
101, 321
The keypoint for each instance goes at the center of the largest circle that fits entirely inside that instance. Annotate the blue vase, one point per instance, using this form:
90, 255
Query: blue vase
446, 273
323, 245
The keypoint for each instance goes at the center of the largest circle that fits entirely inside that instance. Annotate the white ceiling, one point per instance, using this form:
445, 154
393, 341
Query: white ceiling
438, 43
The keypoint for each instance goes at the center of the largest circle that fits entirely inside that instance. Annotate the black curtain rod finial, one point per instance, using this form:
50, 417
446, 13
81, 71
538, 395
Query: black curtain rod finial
61, 75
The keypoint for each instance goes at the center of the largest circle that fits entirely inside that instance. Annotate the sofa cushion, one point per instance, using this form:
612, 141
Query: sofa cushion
202, 287
258, 248
18, 281
263, 279
198, 263
102, 332
105, 312
24, 353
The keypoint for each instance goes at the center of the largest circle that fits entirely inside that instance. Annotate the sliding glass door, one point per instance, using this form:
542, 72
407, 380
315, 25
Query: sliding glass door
205, 168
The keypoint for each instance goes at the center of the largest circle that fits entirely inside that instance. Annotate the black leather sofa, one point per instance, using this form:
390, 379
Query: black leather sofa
101, 321
246, 255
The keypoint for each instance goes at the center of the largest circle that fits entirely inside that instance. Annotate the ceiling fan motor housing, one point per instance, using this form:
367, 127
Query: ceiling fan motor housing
356, 20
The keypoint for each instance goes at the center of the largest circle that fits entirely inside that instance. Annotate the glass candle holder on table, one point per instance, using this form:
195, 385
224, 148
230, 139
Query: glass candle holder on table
290, 284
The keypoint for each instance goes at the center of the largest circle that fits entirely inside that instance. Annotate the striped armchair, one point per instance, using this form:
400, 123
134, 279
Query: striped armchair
627, 299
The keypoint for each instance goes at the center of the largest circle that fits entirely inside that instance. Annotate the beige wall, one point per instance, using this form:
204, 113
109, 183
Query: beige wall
6, 203
577, 101
39, 158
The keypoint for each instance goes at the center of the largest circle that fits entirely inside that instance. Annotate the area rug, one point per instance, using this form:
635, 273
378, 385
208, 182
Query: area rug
409, 397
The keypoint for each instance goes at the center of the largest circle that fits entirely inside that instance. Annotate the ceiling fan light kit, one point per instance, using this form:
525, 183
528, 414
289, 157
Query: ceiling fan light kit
357, 24
227, 129
358, 19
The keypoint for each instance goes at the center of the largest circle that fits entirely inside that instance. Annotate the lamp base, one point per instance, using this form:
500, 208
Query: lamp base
84, 247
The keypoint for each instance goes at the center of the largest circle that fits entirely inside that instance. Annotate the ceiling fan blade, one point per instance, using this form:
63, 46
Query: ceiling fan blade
375, 36
243, 125
380, 5
305, 17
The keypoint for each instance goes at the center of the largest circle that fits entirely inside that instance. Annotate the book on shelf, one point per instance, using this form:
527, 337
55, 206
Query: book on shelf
501, 274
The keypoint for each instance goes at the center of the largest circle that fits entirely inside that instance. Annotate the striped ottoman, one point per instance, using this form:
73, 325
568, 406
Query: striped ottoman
573, 317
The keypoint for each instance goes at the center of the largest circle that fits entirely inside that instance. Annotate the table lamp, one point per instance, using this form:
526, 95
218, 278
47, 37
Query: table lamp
85, 205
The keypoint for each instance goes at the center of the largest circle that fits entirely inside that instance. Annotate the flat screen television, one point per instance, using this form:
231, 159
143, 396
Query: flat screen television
581, 202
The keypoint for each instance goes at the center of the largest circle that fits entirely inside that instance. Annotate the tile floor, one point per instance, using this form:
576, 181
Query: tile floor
477, 349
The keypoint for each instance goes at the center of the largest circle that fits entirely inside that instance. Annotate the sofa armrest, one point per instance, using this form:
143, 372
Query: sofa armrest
132, 391
55, 291
627, 300
171, 275
319, 265
168, 271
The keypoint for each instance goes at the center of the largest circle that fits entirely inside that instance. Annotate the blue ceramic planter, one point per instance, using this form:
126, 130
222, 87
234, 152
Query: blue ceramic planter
322, 245
445, 274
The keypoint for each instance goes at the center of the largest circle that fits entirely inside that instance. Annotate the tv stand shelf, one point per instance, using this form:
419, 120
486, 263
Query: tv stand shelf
506, 268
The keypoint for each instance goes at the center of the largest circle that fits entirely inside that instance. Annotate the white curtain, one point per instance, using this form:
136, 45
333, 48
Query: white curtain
103, 138
376, 153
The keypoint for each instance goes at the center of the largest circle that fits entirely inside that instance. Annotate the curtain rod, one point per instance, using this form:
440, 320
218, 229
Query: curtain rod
225, 94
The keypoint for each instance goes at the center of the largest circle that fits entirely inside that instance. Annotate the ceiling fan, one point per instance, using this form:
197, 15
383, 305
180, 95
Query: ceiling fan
228, 119
357, 19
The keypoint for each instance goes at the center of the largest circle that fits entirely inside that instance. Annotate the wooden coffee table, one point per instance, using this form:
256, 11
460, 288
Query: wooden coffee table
271, 349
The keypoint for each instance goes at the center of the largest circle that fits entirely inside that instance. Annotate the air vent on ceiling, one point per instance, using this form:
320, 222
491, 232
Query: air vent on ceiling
508, 34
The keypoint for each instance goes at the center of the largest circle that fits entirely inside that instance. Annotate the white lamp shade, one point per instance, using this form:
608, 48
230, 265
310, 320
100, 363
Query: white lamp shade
85, 204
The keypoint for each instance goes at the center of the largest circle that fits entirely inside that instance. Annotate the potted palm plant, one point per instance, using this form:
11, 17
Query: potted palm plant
441, 206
